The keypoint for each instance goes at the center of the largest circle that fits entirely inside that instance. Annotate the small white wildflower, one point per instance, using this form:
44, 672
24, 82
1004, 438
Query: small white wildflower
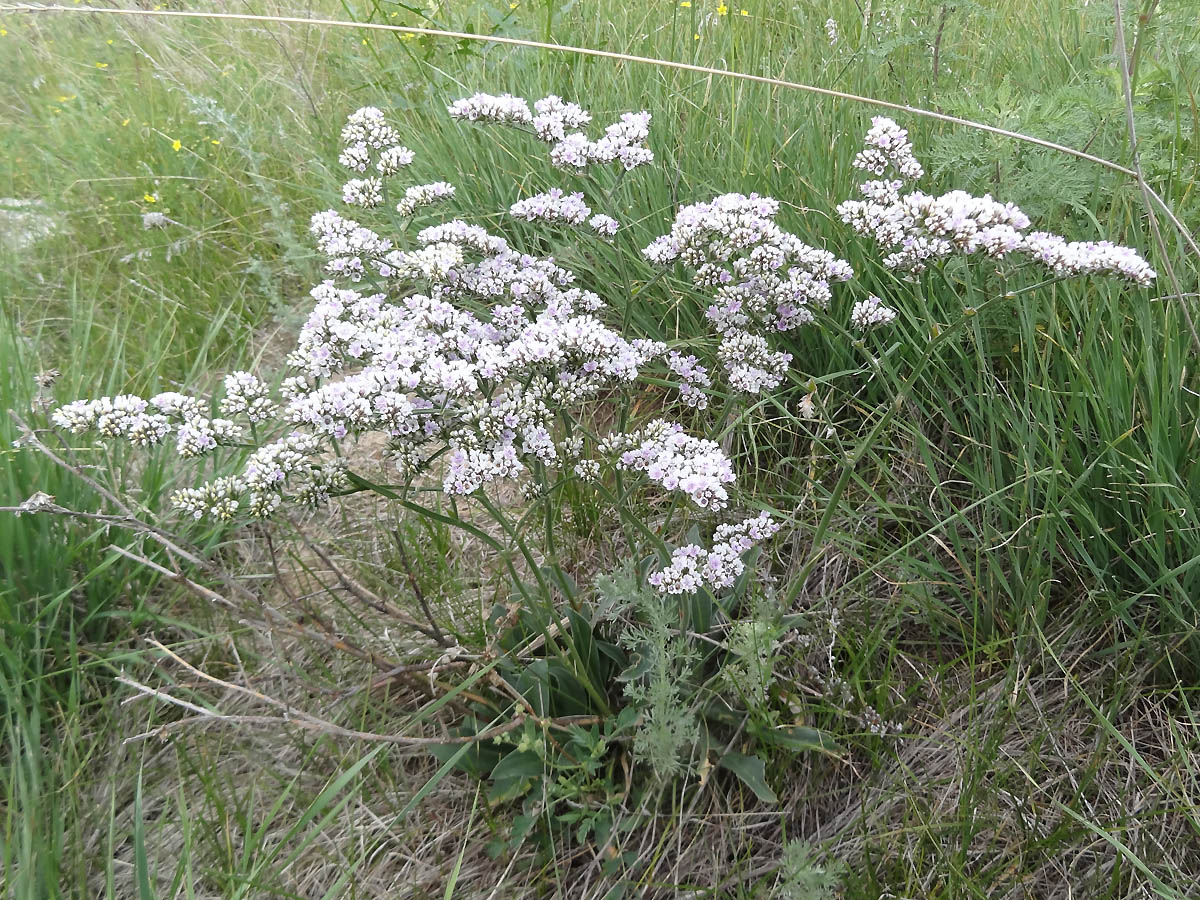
504, 109
368, 126
356, 157
195, 437
154, 220
677, 461
364, 192
247, 395
393, 159
420, 195
552, 206
555, 116
605, 226
588, 470
871, 313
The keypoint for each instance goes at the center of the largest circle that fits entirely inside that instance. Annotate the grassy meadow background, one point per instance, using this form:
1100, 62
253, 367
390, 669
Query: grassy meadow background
1011, 573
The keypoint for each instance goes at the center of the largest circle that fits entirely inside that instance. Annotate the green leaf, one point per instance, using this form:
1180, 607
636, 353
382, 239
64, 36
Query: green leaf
519, 764
753, 773
799, 739
643, 660
141, 866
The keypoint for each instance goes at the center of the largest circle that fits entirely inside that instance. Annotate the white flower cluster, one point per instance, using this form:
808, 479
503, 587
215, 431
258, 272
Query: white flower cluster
247, 395
348, 245
671, 457
559, 123
1065, 258
764, 279
624, 141
504, 109
556, 116
552, 206
886, 146
393, 159
918, 228
469, 351
870, 313
196, 433
750, 364
692, 567
368, 127
123, 416
831, 31
429, 373
364, 192
605, 226
420, 195
367, 136
694, 379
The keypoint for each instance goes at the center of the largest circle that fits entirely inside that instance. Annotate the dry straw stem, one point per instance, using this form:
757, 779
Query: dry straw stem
644, 60
293, 716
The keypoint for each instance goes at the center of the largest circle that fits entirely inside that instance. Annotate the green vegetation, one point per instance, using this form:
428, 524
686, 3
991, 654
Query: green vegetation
1009, 570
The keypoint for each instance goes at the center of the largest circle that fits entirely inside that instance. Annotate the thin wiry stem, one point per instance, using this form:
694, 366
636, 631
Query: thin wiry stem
1127, 90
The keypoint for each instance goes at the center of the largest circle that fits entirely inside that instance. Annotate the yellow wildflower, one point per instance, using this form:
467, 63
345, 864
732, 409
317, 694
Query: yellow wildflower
745, 12
101, 65
176, 144
109, 42
686, 3
150, 198
722, 10
215, 143
124, 122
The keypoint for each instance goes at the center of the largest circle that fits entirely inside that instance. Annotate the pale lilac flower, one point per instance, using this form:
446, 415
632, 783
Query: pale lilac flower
870, 313
356, 157
552, 206
750, 365
249, 396
366, 192
694, 379
421, 195
556, 116
393, 159
368, 126
504, 109
759, 275
605, 226
916, 228
692, 567
669, 456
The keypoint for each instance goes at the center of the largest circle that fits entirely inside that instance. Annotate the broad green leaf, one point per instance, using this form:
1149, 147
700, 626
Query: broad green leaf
752, 771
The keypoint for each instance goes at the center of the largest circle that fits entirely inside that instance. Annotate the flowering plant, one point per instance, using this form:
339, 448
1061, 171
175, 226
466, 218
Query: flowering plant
480, 364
